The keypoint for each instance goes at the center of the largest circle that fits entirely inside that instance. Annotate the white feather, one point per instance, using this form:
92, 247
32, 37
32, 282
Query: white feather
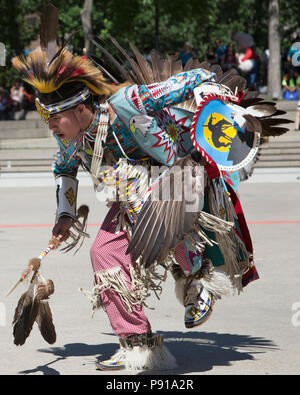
219, 284
252, 110
140, 358
239, 119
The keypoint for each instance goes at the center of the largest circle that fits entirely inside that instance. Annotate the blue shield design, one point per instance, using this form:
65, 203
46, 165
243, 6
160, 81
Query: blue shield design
219, 138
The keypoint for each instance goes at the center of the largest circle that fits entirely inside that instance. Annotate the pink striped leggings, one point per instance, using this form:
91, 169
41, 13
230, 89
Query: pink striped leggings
107, 252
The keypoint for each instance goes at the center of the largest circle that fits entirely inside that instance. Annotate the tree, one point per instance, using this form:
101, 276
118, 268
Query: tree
274, 74
146, 23
87, 25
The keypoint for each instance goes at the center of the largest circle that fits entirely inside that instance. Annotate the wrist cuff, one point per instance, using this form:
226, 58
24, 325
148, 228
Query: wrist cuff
66, 196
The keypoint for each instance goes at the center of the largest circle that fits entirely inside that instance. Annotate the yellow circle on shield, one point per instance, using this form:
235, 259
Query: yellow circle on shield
219, 132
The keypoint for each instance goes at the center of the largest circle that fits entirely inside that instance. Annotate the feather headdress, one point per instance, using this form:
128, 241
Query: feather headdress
48, 68
64, 69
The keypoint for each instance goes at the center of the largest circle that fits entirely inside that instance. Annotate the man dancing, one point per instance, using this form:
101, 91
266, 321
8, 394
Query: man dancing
98, 123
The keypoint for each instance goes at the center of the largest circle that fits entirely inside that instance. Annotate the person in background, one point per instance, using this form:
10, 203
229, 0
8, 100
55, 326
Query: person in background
186, 54
289, 86
2, 104
219, 50
5, 105
229, 59
251, 77
16, 94
249, 61
242, 40
293, 56
27, 102
211, 56
297, 117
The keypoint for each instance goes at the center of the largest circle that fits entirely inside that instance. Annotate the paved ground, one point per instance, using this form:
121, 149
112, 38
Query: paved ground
257, 332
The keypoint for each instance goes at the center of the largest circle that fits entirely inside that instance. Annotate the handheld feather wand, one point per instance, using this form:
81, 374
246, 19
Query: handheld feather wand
33, 305
34, 264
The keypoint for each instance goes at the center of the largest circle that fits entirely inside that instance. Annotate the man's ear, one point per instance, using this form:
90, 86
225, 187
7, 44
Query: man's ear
80, 109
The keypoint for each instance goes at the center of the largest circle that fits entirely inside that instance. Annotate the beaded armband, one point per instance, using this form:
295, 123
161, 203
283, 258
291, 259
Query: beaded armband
66, 195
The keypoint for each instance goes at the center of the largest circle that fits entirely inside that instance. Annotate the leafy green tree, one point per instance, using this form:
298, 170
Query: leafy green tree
163, 24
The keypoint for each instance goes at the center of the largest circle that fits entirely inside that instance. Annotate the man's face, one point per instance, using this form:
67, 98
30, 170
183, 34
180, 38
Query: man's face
65, 125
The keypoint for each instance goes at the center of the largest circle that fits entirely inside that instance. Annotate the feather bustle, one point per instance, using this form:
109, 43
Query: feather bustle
165, 217
144, 66
273, 131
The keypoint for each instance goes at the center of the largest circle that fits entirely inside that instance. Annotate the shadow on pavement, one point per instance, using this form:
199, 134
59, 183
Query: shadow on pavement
72, 350
200, 351
195, 352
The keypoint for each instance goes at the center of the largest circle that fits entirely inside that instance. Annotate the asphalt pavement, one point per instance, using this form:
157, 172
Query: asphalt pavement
257, 332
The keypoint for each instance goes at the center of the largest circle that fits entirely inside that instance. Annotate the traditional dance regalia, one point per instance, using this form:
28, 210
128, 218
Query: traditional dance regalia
138, 130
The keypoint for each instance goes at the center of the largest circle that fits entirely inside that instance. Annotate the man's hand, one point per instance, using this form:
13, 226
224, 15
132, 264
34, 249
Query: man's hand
62, 229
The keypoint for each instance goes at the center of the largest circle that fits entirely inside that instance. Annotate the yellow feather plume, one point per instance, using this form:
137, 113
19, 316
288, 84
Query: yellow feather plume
65, 68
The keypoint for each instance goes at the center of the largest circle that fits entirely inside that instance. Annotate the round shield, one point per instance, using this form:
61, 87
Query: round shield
216, 134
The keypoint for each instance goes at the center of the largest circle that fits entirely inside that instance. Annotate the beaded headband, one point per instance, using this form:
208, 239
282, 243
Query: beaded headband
46, 111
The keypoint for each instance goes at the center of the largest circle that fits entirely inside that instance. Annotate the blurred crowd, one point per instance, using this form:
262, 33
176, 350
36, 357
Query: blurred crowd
16, 102
240, 53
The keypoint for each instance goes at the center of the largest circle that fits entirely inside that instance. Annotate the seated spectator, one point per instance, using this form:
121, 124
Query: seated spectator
289, 86
186, 54
229, 59
210, 56
219, 50
16, 94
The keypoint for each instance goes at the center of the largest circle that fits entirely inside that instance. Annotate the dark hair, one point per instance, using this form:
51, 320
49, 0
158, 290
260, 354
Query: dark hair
64, 92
